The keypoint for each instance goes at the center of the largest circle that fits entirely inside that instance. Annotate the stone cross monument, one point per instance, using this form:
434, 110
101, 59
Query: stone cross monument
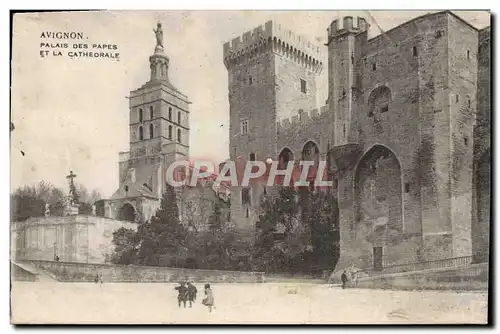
72, 204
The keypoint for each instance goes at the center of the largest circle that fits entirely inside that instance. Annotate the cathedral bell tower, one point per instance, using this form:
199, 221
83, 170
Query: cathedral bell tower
159, 135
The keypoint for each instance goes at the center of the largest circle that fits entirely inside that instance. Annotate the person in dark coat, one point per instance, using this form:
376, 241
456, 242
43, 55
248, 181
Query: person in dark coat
343, 278
191, 293
183, 293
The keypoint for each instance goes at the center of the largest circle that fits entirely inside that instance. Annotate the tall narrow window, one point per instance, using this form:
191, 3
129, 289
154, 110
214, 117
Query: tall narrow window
244, 127
140, 114
457, 98
179, 135
415, 51
468, 55
374, 66
151, 112
150, 130
178, 117
468, 102
170, 132
252, 156
407, 188
245, 196
303, 86
343, 129
250, 81
141, 133
169, 113
466, 141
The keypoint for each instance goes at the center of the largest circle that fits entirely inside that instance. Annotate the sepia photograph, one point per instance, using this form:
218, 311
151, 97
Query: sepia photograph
250, 167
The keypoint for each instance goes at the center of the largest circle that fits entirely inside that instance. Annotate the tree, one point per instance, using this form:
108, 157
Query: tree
86, 199
297, 231
215, 220
26, 206
163, 240
29, 201
194, 213
281, 236
323, 219
126, 244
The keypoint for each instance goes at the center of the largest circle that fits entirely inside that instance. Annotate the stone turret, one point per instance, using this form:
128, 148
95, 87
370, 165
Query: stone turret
347, 24
159, 64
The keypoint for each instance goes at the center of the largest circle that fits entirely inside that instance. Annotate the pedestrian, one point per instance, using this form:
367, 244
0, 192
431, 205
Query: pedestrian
355, 279
208, 300
343, 278
191, 293
182, 294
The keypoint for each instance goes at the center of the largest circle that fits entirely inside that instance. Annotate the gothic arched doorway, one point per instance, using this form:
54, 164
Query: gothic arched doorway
310, 152
378, 190
127, 212
482, 226
284, 158
286, 155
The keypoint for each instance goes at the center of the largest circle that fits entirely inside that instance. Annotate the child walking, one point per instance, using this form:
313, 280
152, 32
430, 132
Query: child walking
208, 300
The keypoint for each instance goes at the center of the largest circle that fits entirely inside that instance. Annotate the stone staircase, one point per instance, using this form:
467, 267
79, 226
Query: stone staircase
25, 271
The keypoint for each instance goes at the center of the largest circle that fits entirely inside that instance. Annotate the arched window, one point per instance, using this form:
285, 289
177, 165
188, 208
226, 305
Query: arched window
169, 113
140, 114
151, 112
170, 132
141, 133
379, 100
179, 135
179, 117
150, 130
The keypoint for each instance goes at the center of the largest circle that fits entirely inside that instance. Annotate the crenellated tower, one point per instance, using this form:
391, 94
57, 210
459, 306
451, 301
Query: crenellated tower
342, 79
272, 75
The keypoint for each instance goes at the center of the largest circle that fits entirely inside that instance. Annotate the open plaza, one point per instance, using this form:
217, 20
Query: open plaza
265, 303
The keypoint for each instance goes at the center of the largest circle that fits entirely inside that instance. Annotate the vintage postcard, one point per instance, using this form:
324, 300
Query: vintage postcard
250, 167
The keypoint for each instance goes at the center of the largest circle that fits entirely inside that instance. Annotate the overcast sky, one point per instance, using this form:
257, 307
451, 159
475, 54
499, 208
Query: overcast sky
72, 114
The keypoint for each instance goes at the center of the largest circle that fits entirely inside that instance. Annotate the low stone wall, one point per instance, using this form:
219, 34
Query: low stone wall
84, 272
473, 277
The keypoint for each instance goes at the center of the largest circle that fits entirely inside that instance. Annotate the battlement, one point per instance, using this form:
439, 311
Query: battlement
355, 24
301, 118
282, 40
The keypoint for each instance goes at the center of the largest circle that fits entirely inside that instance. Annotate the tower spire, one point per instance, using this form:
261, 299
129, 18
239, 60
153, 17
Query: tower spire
158, 62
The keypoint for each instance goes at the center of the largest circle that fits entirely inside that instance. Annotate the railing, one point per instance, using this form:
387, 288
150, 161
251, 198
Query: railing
455, 262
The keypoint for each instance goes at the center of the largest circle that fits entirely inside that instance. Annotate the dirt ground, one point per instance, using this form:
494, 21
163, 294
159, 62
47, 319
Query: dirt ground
269, 303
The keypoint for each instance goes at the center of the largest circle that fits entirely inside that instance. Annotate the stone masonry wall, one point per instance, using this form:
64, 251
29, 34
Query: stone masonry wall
462, 47
414, 61
73, 238
481, 197
74, 272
